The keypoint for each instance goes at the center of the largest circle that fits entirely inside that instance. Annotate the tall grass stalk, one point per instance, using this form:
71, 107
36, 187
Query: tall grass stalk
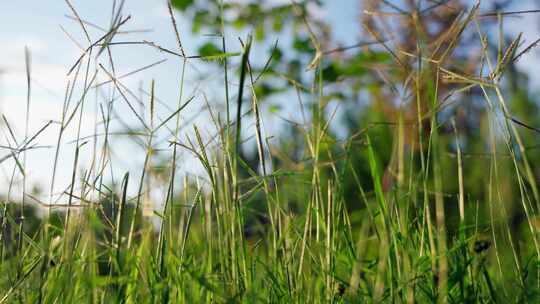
346, 219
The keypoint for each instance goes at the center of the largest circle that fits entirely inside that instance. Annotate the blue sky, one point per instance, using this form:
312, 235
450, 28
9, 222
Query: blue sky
36, 24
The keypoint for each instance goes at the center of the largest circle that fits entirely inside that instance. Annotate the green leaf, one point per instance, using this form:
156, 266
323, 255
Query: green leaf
199, 20
209, 49
274, 108
263, 90
277, 25
302, 45
259, 32
239, 23
182, 4
277, 55
331, 72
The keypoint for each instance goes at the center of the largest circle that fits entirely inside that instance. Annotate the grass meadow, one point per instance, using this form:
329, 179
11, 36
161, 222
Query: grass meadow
421, 188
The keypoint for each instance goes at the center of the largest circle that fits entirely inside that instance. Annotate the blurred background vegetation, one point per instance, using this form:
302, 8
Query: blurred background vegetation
413, 151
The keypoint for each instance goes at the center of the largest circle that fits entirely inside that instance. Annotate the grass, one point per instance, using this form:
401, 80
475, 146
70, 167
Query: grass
416, 224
